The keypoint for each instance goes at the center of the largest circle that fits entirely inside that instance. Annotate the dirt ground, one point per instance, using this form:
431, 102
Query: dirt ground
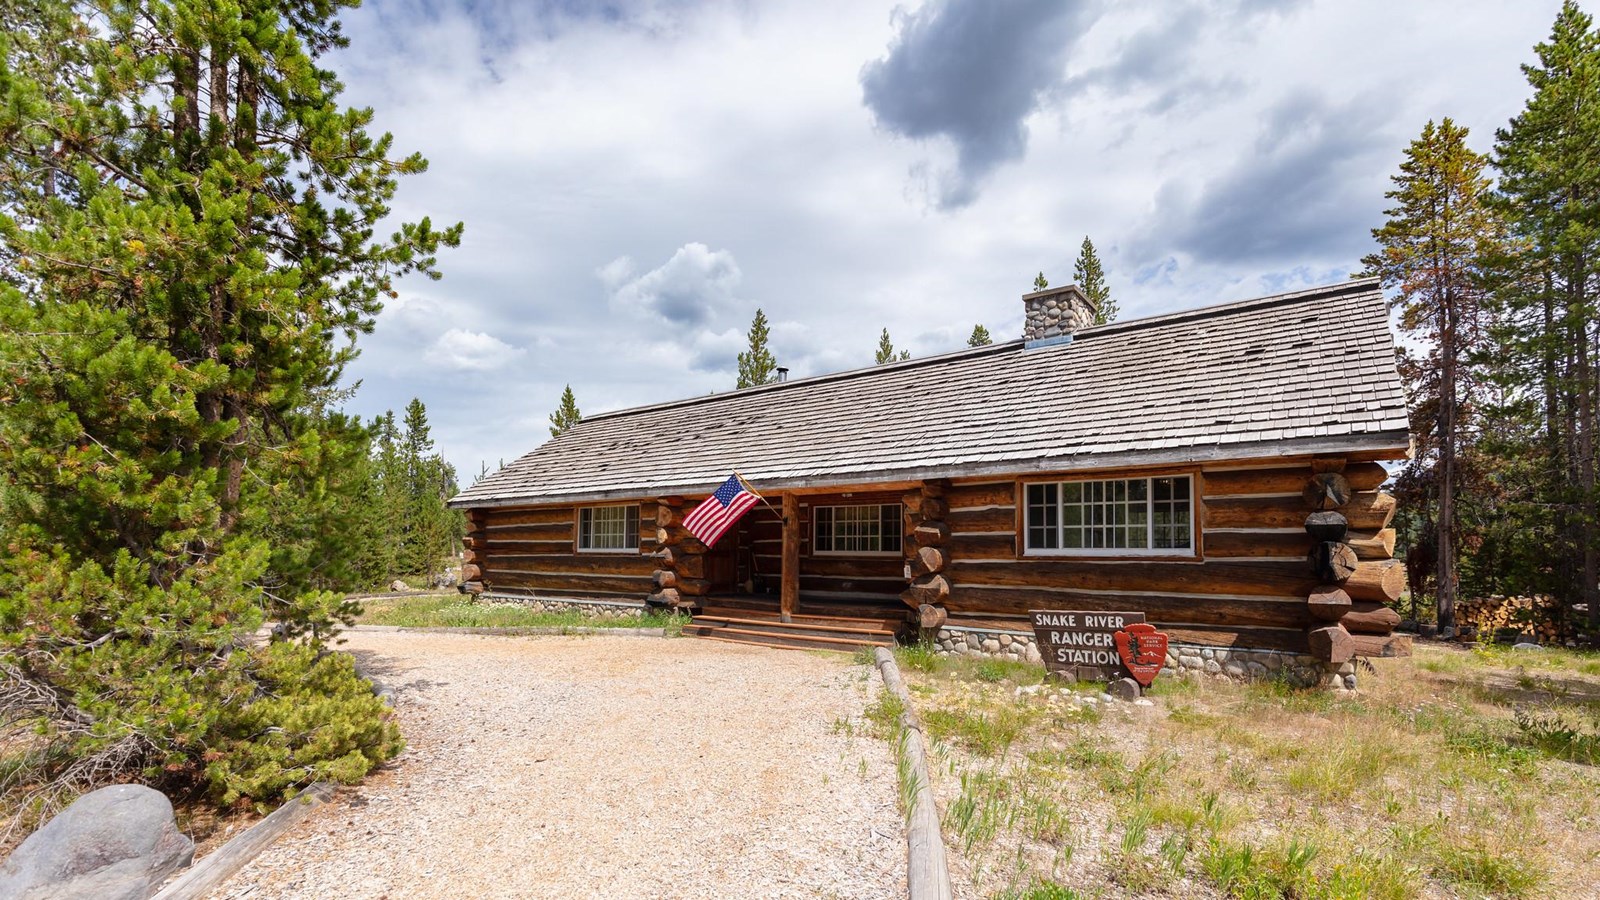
605, 766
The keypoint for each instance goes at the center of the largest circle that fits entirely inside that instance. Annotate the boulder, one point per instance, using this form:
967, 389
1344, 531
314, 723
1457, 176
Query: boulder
1123, 689
397, 585
116, 843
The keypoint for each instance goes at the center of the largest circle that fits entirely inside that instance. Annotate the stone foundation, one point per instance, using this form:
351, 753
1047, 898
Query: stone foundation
594, 609
1182, 659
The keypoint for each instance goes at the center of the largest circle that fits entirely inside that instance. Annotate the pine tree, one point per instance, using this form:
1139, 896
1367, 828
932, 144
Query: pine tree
428, 527
1039, 282
1431, 247
886, 352
1091, 279
566, 414
757, 365
980, 337
187, 255
1549, 192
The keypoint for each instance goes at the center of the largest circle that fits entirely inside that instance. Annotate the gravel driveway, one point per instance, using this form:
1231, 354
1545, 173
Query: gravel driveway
605, 767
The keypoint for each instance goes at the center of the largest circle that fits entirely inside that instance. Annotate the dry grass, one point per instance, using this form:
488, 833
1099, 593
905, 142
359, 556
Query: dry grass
1454, 774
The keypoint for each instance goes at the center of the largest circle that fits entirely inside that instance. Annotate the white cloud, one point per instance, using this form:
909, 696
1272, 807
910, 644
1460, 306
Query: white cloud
635, 184
470, 351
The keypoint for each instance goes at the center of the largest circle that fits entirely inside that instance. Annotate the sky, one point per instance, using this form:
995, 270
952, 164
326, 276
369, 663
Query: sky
638, 178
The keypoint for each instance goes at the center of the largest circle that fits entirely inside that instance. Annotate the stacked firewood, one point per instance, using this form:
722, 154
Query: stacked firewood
1501, 618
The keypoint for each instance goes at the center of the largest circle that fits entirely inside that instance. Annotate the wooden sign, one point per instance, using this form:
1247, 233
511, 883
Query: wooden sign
1071, 641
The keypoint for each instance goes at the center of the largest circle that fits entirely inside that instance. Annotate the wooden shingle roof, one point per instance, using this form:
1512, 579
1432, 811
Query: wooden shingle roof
1307, 372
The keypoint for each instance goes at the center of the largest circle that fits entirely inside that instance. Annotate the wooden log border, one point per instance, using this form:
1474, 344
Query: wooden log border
927, 870
213, 871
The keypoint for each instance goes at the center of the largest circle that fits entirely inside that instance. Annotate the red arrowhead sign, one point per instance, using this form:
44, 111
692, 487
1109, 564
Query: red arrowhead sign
1143, 650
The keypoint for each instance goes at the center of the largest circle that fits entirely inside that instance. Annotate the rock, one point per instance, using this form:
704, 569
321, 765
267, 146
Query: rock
1233, 668
990, 645
117, 843
1208, 653
1033, 654
398, 585
1526, 645
1347, 668
1143, 702
1123, 689
1190, 662
1212, 667
1256, 670
1105, 697
1350, 682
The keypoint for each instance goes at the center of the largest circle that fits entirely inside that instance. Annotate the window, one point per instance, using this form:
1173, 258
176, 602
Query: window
612, 529
1120, 517
857, 529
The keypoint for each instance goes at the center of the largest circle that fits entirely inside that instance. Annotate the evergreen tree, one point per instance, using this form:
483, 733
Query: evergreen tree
1431, 247
1549, 193
428, 526
1091, 279
187, 255
757, 364
566, 414
1039, 282
980, 337
886, 352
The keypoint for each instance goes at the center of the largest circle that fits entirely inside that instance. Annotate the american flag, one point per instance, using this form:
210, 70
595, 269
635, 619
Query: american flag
723, 508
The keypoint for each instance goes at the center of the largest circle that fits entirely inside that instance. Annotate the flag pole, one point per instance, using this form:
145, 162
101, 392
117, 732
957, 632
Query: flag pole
751, 488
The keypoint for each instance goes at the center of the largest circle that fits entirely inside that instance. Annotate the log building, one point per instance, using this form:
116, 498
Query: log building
1217, 469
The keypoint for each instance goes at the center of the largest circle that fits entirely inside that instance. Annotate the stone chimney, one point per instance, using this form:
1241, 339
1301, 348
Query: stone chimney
1056, 311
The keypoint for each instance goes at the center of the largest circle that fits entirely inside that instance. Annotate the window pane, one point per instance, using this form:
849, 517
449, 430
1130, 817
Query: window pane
608, 528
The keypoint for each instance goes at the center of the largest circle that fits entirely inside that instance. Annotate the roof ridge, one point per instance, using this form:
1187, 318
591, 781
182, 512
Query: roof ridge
1340, 289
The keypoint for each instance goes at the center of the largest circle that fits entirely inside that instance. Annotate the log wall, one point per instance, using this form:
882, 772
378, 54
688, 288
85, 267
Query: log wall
533, 551
1249, 584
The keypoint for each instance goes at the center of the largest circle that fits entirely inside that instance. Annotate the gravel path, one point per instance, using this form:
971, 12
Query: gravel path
605, 767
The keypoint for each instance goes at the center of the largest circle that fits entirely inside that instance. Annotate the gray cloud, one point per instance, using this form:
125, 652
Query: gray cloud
1304, 190
692, 289
972, 71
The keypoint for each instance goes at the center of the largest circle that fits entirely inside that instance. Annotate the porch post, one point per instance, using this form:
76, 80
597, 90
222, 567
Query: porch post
789, 593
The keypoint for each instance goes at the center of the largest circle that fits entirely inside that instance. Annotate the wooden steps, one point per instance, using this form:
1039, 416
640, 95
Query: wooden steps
801, 633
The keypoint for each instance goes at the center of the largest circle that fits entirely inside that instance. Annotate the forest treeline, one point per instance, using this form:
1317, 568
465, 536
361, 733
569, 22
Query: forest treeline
1493, 263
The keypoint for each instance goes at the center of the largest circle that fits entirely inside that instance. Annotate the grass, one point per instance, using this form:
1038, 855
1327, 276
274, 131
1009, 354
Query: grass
437, 611
1456, 773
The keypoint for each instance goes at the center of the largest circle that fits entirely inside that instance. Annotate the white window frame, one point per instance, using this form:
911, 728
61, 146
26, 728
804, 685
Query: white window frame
578, 538
1150, 521
816, 523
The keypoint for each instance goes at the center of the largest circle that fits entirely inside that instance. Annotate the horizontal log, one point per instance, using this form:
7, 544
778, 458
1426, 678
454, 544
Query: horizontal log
667, 597
1370, 510
1255, 512
1221, 611
1003, 518
888, 587
1288, 480
1328, 464
1385, 646
1276, 544
470, 556
693, 587
580, 563
1381, 581
1328, 604
472, 587
1283, 639
934, 508
664, 578
532, 533
929, 616
1331, 644
1288, 578
935, 487
968, 496
912, 501
667, 516
556, 515
1372, 545
982, 546
1367, 617
471, 572
577, 585
559, 545
849, 566
1327, 525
